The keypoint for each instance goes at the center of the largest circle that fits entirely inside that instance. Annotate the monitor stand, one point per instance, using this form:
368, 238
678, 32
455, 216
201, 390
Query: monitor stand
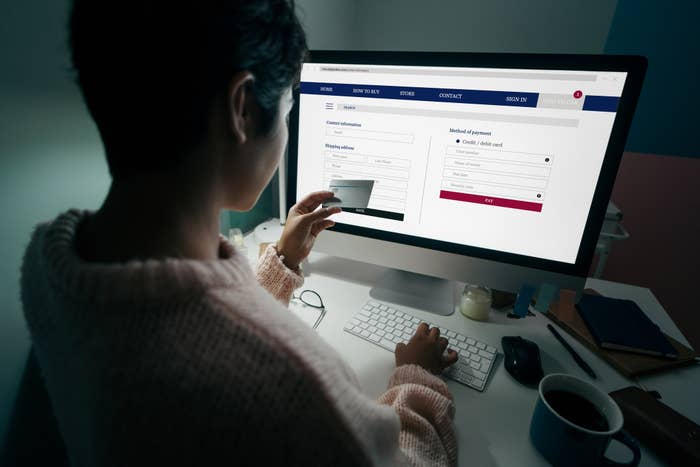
427, 293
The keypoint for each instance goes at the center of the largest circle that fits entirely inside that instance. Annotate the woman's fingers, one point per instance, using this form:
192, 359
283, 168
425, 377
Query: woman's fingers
450, 358
400, 347
313, 200
434, 334
422, 329
320, 226
319, 214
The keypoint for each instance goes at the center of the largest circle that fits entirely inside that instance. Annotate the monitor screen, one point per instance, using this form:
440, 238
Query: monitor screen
494, 159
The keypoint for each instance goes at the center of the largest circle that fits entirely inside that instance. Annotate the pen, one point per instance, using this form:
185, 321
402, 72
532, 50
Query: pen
573, 353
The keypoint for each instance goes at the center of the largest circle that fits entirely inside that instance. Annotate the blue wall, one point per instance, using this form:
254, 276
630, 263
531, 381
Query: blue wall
667, 33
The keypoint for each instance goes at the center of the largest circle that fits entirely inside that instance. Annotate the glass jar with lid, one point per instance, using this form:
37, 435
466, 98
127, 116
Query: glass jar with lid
476, 302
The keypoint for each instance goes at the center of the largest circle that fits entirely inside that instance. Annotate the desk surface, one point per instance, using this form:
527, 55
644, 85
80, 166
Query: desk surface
492, 426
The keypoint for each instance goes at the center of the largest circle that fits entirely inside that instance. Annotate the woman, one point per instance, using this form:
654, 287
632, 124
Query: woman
157, 342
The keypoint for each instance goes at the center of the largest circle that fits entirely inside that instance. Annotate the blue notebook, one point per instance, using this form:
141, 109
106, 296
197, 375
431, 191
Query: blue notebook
621, 325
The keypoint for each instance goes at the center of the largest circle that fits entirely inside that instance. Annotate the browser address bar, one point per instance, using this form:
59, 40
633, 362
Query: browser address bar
466, 73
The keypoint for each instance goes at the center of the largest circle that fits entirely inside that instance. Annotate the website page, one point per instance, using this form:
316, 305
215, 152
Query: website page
503, 159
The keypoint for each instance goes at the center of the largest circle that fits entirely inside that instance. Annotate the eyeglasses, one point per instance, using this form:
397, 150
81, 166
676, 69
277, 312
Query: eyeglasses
312, 299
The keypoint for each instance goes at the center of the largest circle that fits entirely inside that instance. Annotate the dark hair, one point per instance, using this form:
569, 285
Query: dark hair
150, 69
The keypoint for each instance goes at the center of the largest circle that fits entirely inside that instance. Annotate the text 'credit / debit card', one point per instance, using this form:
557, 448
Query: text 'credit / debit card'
350, 193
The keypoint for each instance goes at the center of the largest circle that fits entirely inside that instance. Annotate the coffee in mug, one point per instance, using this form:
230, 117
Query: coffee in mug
577, 410
574, 422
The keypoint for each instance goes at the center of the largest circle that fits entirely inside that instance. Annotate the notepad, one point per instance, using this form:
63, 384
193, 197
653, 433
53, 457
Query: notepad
621, 325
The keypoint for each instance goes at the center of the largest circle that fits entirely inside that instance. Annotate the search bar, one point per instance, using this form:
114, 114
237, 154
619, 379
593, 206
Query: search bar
485, 117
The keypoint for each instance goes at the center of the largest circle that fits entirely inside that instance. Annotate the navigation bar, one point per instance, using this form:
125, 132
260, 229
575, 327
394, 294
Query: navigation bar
460, 96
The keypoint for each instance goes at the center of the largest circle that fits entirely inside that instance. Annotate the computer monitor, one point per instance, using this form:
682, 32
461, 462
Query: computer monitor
493, 169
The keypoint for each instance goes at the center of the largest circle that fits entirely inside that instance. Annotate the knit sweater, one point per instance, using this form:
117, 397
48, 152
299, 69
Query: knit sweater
186, 362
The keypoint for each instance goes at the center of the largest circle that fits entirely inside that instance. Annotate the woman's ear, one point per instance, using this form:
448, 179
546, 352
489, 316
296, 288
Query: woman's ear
242, 107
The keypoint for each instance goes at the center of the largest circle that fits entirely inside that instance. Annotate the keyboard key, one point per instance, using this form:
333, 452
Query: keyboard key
491, 349
375, 337
373, 303
387, 344
471, 348
475, 357
462, 362
485, 365
462, 345
464, 376
475, 365
373, 322
470, 341
364, 325
451, 334
481, 345
461, 338
485, 354
362, 318
365, 333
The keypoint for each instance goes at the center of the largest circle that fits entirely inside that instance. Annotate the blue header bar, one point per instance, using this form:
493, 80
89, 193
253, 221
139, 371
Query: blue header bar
461, 96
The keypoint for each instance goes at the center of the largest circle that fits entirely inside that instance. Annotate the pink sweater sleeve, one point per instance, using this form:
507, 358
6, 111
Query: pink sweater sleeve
277, 278
425, 407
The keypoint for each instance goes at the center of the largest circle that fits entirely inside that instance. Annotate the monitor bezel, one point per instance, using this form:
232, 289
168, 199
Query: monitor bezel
634, 66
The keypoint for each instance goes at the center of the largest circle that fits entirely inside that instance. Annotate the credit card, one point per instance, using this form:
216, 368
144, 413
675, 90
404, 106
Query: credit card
353, 194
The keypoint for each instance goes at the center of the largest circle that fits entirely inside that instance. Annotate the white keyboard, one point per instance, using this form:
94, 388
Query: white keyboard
386, 326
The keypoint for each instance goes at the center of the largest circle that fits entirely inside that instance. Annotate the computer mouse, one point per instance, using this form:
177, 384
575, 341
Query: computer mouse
522, 360
332, 201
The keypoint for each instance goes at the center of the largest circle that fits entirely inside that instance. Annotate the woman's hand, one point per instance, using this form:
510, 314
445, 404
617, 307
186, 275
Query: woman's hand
304, 223
426, 349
